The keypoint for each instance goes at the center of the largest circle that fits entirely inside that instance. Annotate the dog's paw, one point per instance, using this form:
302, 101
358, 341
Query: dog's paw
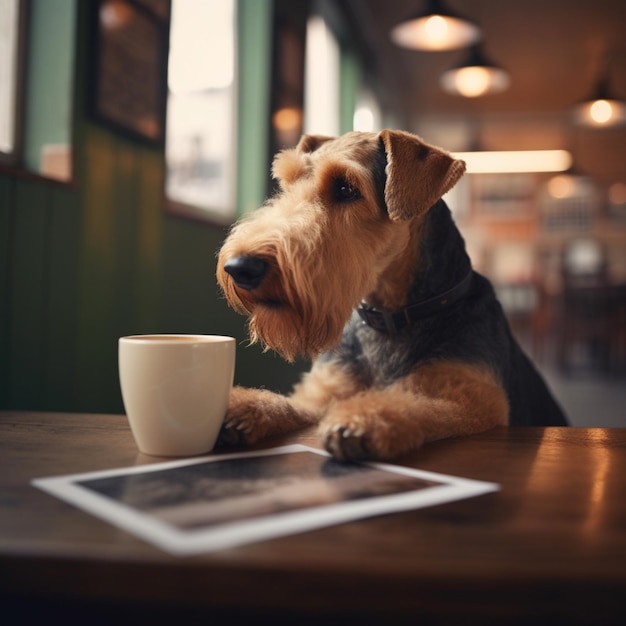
244, 422
236, 432
255, 414
366, 428
346, 443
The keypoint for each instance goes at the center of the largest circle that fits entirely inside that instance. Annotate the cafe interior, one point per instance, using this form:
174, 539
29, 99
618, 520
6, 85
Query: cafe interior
133, 133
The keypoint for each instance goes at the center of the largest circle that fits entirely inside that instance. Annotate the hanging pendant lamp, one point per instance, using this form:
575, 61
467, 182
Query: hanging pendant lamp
436, 28
475, 76
602, 109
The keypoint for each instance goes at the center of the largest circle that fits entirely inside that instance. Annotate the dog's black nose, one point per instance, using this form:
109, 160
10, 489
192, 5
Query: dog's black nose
247, 271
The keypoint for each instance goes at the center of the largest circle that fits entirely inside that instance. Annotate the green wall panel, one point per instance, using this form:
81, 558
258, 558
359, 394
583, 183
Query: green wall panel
62, 266
6, 230
149, 244
97, 294
27, 306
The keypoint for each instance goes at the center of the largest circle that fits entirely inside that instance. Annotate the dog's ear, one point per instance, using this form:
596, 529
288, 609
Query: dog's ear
418, 174
310, 143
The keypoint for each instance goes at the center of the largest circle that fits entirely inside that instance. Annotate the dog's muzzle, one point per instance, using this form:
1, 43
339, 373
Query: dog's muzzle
248, 272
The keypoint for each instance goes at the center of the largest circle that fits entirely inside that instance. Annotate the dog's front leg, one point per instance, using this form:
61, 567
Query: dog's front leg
436, 401
256, 414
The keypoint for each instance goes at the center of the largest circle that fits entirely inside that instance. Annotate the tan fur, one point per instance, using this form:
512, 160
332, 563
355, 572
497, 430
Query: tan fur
451, 399
325, 257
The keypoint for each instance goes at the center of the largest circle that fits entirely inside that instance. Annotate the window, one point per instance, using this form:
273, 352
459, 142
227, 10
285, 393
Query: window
36, 134
321, 87
10, 43
367, 116
201, 109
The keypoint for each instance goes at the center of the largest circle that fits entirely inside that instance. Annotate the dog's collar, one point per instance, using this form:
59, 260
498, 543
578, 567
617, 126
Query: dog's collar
388, 321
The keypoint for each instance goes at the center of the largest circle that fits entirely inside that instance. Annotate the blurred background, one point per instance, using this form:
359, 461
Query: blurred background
134, 132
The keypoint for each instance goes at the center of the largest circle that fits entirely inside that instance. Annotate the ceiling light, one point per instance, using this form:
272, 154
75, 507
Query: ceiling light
602, 109
288, 119
516, 161
436, 28
617, 193
475, 76
562, 186
566, 184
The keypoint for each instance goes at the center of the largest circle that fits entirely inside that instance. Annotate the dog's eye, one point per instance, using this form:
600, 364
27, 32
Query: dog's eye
343, 191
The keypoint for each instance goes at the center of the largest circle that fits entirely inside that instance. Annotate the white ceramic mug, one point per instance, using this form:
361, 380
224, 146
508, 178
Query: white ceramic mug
175, 390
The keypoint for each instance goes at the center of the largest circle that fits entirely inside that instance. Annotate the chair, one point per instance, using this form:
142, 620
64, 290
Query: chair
584, 330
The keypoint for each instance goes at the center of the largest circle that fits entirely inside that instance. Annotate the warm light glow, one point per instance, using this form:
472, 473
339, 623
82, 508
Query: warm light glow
435, 32
617, 193
602, 113
115, 14
287, 119
436, 29
501, 162
474, 81
561, 186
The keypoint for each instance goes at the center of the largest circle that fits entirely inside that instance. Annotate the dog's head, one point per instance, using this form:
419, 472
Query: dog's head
341, 219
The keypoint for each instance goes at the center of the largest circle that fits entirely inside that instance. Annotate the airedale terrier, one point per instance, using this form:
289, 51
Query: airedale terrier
357, 263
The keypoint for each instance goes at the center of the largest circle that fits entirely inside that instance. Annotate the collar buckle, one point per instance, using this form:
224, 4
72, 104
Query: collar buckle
380, 320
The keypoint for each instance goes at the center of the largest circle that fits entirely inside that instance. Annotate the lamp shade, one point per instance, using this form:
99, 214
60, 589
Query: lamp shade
475, 76
435, 28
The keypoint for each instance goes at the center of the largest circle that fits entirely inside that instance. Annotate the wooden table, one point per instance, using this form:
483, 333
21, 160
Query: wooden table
550, 545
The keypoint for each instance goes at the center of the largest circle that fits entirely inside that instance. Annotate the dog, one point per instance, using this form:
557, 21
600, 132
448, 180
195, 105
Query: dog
356, 263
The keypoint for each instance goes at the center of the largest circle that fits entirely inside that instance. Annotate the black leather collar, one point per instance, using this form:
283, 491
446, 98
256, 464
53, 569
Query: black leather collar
388, 321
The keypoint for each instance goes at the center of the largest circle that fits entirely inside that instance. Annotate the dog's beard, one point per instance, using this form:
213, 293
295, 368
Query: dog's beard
291, 324
284, 331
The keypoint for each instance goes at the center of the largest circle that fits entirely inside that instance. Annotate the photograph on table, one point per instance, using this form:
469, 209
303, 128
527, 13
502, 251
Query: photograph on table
216, 502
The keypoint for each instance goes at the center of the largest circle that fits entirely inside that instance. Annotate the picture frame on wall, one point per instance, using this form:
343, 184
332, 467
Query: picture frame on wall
128, 87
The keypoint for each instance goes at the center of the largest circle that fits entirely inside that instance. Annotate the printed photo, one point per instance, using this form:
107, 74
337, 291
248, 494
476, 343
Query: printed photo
216, 502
